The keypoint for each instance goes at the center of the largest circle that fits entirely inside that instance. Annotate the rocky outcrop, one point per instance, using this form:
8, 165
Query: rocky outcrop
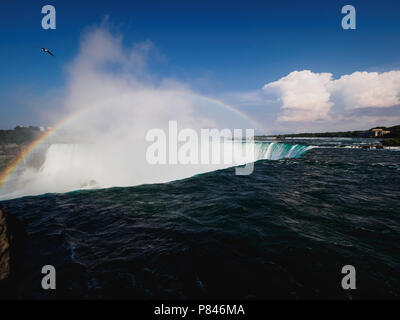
12, 245
5, 267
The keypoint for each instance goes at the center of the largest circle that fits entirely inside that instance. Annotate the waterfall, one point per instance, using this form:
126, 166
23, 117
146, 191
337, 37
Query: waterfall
68, 167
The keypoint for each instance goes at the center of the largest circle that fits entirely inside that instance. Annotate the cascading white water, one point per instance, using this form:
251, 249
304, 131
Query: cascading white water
69, 167
277, 150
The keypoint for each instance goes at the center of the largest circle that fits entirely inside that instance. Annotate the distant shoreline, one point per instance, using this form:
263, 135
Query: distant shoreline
390, 136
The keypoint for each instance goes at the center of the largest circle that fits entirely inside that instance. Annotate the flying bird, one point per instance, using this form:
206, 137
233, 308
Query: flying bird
47, 50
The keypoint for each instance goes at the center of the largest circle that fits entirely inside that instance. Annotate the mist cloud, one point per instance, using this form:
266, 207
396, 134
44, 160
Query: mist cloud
109, 103
122, 99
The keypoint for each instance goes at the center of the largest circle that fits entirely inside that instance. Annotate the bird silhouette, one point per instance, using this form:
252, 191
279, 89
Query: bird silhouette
47, 50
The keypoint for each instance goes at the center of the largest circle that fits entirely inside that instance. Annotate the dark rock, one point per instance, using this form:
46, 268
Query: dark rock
12, 244
394, 142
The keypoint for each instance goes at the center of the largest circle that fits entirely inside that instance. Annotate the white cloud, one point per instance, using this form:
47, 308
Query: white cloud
368, 89
307, 96
304, 95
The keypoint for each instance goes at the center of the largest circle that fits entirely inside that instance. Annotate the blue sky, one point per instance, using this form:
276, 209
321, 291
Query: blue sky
221, 48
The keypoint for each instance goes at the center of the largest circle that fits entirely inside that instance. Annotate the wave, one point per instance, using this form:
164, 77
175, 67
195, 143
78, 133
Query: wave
69, 167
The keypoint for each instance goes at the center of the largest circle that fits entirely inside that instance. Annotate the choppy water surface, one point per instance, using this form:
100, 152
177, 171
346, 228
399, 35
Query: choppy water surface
283, 232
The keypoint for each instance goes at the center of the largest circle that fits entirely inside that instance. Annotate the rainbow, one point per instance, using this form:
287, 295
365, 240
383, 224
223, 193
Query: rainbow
5, 174
244, 115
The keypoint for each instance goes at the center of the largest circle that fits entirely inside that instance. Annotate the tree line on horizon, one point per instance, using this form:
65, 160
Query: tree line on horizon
394, 133
19, 135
